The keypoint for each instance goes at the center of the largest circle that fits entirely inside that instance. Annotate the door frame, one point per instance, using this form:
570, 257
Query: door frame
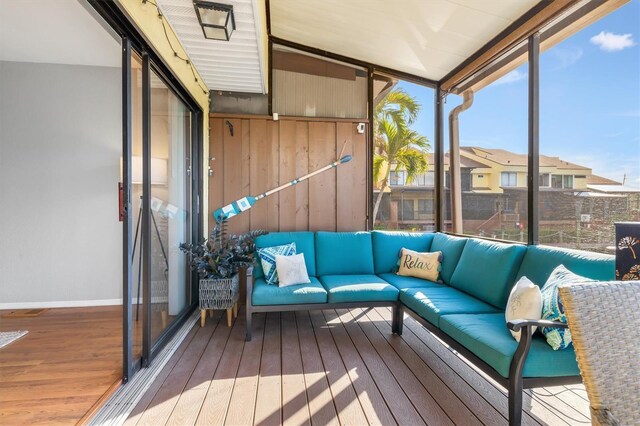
133, 40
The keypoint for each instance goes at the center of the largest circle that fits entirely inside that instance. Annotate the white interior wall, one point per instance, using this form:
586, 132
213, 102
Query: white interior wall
60, 147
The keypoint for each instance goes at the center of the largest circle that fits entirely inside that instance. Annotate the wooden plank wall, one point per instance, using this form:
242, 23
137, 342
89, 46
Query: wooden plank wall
263, 154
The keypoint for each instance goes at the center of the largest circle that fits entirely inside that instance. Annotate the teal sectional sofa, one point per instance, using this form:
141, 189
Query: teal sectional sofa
466, 309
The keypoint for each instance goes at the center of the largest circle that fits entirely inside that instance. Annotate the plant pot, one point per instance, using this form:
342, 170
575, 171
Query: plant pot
219, 293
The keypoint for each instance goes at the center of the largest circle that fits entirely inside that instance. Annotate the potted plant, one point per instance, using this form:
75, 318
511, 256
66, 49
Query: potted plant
218, 261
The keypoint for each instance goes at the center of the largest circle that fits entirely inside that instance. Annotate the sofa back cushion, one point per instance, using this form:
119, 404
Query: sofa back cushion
305, 244
487, 270
451, 248
387, 245
344, 253
540, 261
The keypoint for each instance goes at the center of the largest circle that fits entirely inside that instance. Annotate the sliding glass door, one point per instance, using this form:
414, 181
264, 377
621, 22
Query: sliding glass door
170, 212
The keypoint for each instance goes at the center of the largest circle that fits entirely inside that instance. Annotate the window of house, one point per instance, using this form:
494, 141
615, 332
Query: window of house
407, 210
556, 181
567, 181
425, 206
544, 180
508, 179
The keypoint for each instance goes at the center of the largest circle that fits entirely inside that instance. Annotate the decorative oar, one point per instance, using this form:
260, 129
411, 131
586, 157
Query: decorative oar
247, 202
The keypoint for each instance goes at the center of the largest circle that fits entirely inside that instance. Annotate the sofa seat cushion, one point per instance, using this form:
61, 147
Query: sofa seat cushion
487, 270
433, 302
344, 253
358, 288
265, 294
402, 283
387, 245
451, 248
487, 336
540, 261
305, 244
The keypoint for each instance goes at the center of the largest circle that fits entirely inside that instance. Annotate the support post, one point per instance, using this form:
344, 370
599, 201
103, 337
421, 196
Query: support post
534, 140
439, 210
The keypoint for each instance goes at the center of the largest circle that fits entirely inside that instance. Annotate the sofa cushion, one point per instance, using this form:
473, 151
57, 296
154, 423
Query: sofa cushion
344, 253
387, 245
358, 288
487, 270
487, 336
305, 244
540, 261
433, 302
402, 283
451, 248
265, 294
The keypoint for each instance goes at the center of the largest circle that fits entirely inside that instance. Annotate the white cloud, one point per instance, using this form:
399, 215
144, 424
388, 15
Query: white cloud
610, 42
511, 77
565, 57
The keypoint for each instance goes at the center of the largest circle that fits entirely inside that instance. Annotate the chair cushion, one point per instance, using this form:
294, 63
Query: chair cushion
402, 283
305, 244
265, 294
387, 245
487, 336
433, 302
344, 253
451, 248
358, 288
540, 261
487, 270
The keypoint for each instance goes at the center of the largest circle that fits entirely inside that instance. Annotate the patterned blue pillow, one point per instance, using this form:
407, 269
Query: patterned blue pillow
552, 309
268, 260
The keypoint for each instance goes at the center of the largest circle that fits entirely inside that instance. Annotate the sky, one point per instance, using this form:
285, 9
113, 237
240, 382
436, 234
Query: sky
589, 101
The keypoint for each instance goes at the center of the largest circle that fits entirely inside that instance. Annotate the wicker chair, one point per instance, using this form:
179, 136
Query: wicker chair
604, 320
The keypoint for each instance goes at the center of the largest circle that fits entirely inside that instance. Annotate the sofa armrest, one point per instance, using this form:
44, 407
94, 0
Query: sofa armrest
248, 276
518, 324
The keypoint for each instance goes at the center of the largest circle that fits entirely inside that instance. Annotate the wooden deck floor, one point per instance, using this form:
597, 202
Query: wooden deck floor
334, 367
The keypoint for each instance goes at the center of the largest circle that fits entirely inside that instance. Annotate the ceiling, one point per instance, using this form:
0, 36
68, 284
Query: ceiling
26, 36
427, 38
236, 65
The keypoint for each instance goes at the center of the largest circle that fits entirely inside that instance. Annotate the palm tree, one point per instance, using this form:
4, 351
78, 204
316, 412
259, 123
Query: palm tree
396, 146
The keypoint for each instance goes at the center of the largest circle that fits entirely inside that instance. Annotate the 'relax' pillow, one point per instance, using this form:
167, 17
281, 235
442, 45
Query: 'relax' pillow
552, 309
267, 257
420, 265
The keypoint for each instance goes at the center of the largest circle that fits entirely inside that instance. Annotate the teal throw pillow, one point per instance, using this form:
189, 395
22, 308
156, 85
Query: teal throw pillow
267, 257
552, 309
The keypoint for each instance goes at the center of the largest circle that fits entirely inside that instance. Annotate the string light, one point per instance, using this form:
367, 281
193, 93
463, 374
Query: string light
175, 52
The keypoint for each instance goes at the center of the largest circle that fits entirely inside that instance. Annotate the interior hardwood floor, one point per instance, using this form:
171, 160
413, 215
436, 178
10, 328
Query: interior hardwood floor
69, 359
334, 368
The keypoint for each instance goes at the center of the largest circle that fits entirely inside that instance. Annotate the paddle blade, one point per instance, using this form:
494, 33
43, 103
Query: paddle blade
234, 208
345, 159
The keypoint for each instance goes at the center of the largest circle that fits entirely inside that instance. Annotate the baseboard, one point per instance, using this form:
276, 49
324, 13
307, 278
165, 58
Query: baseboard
61, 304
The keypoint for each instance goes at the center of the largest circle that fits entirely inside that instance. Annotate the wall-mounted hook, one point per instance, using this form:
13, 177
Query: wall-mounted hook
230, 126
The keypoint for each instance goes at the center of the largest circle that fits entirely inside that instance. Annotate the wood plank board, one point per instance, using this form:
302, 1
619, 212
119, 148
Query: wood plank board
321, 404
295, 409
351, 201
269, 399
347, 404
216, 180
322, 187
213, 410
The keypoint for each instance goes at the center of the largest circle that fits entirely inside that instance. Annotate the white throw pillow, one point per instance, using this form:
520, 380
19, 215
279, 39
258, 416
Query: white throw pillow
291, 270
525, 302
